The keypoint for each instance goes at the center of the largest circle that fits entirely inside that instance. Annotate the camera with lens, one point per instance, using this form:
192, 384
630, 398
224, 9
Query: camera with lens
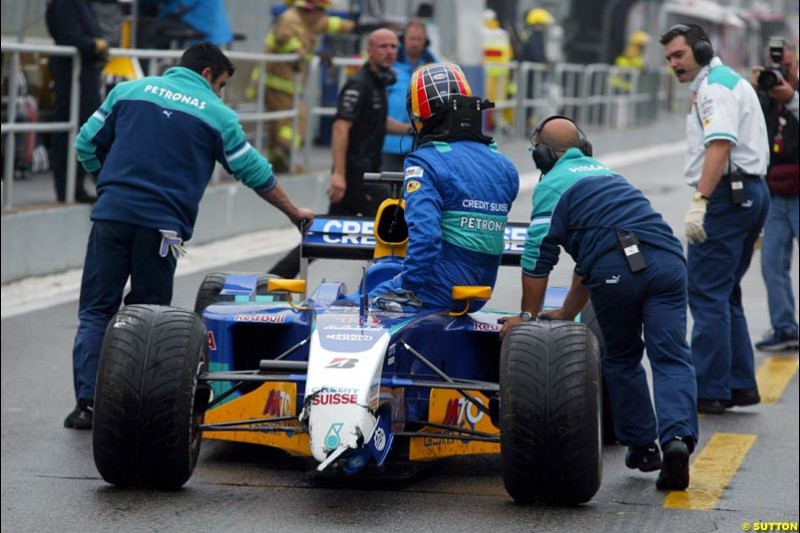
772, 75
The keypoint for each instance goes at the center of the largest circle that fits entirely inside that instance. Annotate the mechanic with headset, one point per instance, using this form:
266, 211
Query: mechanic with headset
458, 190
632, 265
412, 54
153, 143
360, 124
727, 159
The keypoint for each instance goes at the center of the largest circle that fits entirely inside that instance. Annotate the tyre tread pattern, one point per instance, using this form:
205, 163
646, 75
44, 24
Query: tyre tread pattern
145, 421
550, 400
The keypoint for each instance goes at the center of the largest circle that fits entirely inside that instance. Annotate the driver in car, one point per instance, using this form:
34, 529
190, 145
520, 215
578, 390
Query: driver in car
458, 191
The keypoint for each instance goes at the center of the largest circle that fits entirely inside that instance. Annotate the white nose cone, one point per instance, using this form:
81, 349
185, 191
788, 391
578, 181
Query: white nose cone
344, 373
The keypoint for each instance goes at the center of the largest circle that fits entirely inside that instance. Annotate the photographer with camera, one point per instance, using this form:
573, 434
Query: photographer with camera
777, 88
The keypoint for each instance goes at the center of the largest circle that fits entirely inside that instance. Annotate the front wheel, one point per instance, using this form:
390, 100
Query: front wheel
550, 401
148, 404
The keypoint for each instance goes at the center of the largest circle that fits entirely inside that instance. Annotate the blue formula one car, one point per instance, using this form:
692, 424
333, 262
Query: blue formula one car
352, 386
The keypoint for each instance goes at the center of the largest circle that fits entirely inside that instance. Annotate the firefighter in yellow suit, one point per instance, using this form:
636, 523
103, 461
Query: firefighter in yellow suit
295, 31
497, 50
632, 58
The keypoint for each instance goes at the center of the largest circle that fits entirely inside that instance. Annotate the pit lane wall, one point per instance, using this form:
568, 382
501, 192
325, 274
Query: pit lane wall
47, 241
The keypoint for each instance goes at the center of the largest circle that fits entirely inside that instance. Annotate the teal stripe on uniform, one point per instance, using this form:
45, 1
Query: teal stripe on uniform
713, 136
725, 76
570, 168
474, 231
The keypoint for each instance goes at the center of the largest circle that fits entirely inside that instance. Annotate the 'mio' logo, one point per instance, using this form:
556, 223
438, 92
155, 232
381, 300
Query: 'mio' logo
278, 404
461, 412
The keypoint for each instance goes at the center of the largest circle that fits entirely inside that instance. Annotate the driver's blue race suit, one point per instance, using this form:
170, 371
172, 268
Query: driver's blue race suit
457, 196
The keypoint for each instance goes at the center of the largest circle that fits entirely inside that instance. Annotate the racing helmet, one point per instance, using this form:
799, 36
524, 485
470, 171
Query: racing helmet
538, 16
430, 90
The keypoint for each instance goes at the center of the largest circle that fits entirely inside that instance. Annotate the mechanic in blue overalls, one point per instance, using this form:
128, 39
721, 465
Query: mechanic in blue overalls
458, 191
153, 143
632, 265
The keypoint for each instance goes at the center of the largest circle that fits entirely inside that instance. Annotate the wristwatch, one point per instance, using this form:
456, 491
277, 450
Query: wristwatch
700, 196
526, 316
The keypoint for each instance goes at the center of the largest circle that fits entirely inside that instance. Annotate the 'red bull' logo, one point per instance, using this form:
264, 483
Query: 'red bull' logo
263, 318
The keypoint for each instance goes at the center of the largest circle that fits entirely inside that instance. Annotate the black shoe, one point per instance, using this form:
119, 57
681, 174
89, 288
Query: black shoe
85, 198
711, 407
674, 473
80, 417
646, 458
779, 341
744, 397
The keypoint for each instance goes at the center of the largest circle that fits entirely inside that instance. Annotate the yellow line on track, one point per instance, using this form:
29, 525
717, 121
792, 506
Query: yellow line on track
711, 472
773, 377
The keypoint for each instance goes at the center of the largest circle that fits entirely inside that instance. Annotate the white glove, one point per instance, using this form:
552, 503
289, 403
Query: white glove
695, 217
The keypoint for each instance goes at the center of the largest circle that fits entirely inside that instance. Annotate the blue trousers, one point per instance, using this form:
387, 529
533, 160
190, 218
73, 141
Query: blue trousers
721, 348
654, 301
777, 253
116, 250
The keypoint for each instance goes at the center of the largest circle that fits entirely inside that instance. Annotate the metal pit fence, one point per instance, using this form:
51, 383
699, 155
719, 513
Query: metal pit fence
597, 95
10, 128
156, 60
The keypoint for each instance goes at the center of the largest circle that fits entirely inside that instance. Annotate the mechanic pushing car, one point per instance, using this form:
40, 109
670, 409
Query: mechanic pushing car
153, 144
458, 190
632, 265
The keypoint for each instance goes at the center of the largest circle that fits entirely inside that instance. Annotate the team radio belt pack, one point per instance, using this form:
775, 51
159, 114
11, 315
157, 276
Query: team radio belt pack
630, 246
628, 243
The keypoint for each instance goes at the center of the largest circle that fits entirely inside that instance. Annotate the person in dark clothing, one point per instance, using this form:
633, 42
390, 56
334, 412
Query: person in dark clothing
359, 127
153, 143
632, 265
73, 23
533, 49
536, 23
781, 111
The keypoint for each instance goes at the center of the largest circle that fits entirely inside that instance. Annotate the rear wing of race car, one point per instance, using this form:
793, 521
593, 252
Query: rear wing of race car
353, 238
331, 237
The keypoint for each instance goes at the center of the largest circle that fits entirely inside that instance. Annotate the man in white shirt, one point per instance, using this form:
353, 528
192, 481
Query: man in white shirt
725, 165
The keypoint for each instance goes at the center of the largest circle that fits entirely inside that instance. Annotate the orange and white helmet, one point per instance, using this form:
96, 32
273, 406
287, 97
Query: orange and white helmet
430, 90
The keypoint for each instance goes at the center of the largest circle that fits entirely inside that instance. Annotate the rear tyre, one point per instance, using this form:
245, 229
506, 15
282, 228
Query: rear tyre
148, 404
589, 318
550, 413
213, 283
